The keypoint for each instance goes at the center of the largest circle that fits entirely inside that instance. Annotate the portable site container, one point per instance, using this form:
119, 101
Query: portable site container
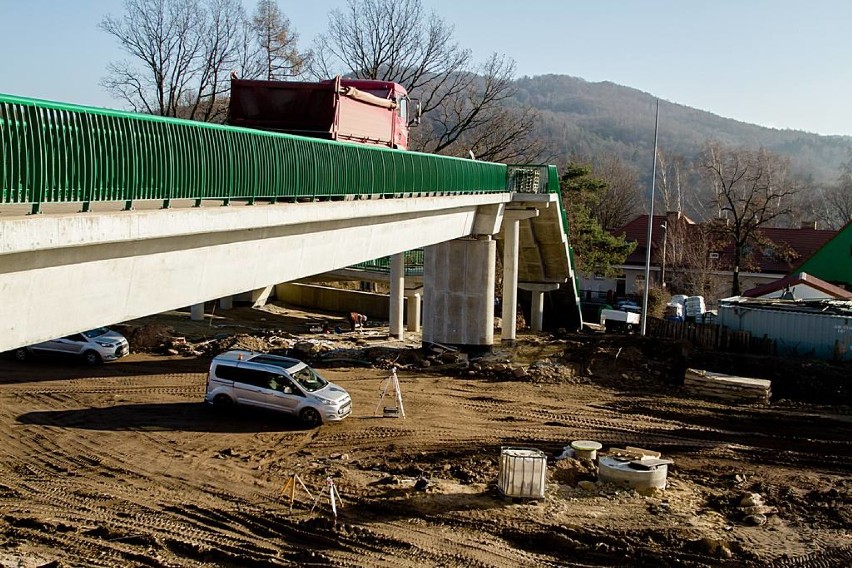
522, 473
819, 329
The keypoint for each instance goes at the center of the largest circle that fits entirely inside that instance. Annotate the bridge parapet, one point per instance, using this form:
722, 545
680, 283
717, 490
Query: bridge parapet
61, 153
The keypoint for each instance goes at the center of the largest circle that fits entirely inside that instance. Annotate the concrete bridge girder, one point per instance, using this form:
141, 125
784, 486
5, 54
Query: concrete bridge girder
61, 274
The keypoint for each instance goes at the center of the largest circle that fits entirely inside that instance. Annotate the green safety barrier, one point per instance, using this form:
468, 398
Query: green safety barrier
61, 153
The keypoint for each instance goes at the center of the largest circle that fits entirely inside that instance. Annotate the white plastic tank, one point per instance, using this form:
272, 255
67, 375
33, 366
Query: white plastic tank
522, 472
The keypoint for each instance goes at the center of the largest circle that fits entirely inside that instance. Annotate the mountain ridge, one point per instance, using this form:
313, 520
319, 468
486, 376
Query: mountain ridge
585, 118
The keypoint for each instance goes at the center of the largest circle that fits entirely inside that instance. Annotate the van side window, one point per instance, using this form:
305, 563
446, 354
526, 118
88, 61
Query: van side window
227, 372
252, 377
237, 374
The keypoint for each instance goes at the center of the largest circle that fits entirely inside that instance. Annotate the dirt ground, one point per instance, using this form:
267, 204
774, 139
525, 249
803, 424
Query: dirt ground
123, 465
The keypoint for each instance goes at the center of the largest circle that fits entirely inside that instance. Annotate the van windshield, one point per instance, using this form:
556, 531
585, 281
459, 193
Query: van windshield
309, 379
93, 333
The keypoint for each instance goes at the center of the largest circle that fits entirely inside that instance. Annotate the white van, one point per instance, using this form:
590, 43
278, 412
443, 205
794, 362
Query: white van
275, 383
93, 346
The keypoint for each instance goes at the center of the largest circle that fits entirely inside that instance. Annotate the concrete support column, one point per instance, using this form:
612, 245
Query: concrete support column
537, 309
397, 295
510, 278
196, 312
413, 312
458, 292
511, 246
226, 303
260, 296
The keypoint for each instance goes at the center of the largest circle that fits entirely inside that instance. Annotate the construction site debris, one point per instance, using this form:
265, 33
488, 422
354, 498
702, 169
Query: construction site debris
728, 387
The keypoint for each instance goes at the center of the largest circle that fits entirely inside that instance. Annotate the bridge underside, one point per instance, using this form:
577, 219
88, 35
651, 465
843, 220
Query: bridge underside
119, 266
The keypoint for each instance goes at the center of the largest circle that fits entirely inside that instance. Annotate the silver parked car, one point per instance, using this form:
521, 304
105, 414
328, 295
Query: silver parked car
275, 383
93, 346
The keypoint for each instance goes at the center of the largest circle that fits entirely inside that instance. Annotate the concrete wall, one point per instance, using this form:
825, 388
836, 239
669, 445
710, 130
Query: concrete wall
458, 303
375, 306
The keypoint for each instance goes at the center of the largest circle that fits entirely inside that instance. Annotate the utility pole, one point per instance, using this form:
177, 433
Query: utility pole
665, 227
650, 226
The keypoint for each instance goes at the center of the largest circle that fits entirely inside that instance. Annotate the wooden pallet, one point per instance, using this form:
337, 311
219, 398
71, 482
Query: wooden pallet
728, 387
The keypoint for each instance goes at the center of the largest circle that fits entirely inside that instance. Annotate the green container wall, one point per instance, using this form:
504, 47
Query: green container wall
55, 153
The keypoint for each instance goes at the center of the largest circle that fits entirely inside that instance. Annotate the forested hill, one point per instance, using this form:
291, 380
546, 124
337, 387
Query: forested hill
587, 119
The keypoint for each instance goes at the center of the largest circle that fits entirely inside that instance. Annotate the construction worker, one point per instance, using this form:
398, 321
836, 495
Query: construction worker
356, 320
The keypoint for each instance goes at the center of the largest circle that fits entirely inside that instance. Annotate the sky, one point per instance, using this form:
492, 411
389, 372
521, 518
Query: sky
776, 63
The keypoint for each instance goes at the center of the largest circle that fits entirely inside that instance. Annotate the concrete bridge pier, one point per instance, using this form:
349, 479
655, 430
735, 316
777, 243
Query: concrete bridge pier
511, 230
537, 308
458, 292
397, 295
413, 298
196, 312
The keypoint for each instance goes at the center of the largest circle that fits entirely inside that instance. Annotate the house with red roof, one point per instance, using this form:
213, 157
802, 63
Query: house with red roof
687, 256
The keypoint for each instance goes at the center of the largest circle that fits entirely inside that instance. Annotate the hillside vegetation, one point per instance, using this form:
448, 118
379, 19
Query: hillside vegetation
581, 118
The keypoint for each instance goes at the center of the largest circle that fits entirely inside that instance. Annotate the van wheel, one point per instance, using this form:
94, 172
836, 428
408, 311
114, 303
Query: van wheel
21, 354
92, 358
223, 402
310, 417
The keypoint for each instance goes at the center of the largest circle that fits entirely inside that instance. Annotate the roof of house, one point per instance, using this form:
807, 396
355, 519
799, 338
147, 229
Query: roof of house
799, 278
833, 260
802, 242
637, 231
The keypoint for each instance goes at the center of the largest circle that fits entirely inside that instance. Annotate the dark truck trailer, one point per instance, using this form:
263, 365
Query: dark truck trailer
352, 110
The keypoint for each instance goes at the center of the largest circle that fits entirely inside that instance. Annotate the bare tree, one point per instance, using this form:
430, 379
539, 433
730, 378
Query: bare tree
670, 179
752, 189
692, 259
278, 43
165, 36
621, 200
836, 203
182, 52
465, 106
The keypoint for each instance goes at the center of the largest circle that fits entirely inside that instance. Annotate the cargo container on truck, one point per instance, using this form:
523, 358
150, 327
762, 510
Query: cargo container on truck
353, 110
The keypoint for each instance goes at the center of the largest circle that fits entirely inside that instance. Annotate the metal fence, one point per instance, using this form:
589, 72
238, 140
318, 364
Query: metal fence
53, 153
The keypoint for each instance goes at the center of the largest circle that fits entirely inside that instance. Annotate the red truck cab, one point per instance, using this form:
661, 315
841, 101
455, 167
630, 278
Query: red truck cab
353, 110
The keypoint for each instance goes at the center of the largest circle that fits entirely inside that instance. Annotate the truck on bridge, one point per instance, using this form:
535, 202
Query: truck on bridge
351, 110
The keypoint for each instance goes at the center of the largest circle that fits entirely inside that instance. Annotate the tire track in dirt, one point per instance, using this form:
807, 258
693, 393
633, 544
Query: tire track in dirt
40, 486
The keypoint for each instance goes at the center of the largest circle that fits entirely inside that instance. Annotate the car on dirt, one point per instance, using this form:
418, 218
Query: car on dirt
93, 346
272, 382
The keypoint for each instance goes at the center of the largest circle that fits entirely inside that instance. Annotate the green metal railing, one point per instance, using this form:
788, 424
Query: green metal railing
54, 153
536, 178
413, 264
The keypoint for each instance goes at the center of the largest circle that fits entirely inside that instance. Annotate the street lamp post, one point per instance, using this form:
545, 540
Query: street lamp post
650, 225
665, 229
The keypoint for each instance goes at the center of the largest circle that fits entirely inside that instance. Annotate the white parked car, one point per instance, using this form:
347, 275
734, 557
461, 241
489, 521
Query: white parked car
94, 346
272, 382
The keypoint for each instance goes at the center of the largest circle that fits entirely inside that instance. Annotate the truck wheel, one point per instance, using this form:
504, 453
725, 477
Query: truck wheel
21, 354
310, 417
92, 358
